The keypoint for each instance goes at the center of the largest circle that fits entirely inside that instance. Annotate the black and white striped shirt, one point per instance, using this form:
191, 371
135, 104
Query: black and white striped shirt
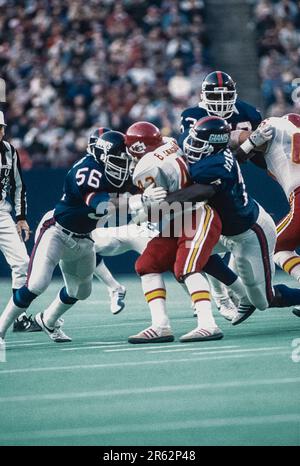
11, 181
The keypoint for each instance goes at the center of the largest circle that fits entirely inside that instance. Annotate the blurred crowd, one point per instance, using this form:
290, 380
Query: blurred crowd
278, 37
74, 65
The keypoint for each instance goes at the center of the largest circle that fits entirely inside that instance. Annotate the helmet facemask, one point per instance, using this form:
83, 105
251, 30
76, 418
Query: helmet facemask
116, 168
219, 102
195, 148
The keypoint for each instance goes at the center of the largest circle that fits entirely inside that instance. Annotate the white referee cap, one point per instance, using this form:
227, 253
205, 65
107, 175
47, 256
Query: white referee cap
2, 122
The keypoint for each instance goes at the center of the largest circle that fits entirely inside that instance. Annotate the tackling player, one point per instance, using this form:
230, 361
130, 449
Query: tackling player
219, 98
248, 232
65, 239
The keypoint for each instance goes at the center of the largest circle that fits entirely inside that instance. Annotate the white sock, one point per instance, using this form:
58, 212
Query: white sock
53, 312
289, 261
155, 293
10, 313
199, 290
102, 273
240, 291
218, 289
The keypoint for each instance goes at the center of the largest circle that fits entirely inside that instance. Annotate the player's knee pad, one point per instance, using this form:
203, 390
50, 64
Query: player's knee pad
65, 298
23, 297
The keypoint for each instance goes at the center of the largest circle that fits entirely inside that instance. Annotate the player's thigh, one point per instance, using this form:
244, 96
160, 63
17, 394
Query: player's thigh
78, 265
46, 254
196, 245
108, 241
158, 257
139, 237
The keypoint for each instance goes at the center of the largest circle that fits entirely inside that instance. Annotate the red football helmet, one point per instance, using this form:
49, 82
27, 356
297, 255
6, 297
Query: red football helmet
142, 137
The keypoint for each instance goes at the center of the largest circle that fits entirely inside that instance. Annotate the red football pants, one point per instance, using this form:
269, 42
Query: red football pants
187, 253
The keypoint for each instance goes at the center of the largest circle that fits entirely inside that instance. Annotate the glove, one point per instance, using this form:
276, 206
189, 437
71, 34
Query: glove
261, 135
150, 196
153, 194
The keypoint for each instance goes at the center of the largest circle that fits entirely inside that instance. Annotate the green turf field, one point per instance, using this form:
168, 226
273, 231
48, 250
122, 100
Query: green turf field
100, 390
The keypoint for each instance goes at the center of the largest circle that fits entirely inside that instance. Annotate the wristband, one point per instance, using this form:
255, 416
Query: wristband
247, 146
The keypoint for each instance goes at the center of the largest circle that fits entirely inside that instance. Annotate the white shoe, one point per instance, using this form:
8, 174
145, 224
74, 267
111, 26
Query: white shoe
202, 334
153, 335
56, 334
227, 309
117, 298
244, 311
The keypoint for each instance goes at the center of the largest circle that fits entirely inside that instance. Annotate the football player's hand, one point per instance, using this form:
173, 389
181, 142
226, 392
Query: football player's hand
262, 134
153, 195
22, 225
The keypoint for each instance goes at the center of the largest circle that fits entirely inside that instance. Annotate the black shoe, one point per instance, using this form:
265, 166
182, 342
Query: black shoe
27, 324
243, 315
296, 311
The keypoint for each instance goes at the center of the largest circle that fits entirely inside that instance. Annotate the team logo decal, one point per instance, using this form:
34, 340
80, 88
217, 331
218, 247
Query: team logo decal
218, 138
139, 147
104, 145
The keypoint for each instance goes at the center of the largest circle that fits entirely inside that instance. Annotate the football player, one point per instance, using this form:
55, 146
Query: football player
117, 292
248, 232
159, 162
65, 239
279, 144
219, 98
113, 241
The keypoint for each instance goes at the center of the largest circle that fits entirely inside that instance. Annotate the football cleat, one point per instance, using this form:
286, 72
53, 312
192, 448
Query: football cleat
26, 324
56, 334
227, 309
117, 298
296, 311
153, 335
202, 334
243, 313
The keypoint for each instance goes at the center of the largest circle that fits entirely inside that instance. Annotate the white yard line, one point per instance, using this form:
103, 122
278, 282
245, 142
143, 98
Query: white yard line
133, 364
148, 390
147, 347
226, 422
219, 350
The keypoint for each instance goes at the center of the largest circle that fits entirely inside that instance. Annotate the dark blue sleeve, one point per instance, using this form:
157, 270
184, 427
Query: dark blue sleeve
219, 170
256, 118
90, 184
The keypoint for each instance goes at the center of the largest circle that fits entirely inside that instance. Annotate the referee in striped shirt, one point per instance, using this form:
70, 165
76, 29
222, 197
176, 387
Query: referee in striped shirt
13, 234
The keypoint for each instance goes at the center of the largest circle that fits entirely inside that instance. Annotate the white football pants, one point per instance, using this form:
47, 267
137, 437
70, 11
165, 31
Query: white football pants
75, 256
113, 241
253, 253
14, 249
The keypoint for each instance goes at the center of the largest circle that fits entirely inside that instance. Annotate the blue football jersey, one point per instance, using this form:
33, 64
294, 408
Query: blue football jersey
244, 116
86, 193
237, 209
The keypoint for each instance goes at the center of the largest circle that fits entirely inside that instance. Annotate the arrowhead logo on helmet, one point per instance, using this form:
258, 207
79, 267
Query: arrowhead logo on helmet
142, 137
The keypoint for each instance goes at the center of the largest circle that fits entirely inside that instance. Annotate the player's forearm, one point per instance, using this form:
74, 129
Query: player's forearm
194, 193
